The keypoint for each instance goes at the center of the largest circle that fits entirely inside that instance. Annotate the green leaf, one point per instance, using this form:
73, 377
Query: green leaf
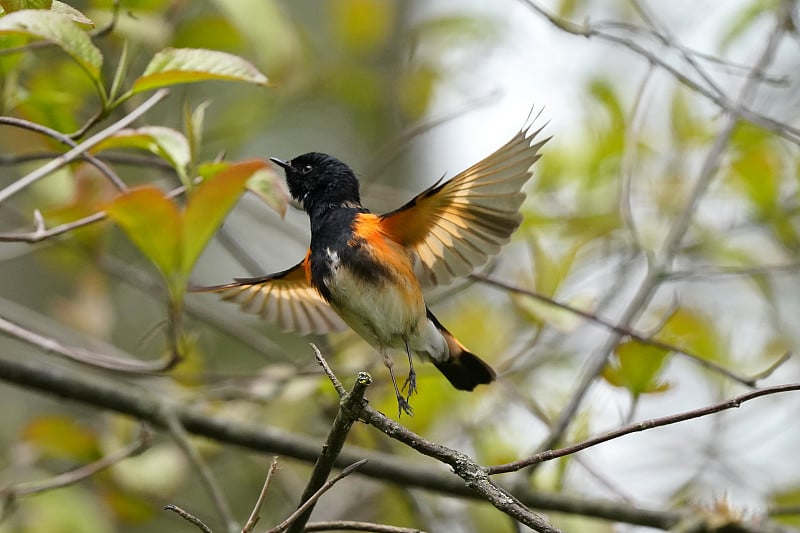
208, 205
17, 5
153, 223
71, 12
694, 332
787, 498
637, 367
166, 143
60, 436
174, 66
193, 126
362, 25
59, 29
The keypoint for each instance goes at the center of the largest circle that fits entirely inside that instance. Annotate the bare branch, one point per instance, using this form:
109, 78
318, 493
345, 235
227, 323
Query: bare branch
308, 505
328, 372
737, 109
145, 405
350, 406
172, 422
252, 520
749, 381
82, 148
81, 355
142, 443
350, 525
641, 426
64, 139
189, 518
648, 286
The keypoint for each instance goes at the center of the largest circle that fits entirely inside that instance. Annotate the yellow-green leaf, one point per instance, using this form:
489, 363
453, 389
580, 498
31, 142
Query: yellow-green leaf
60, 436
637, 367
17, 5
208, 205
174, 66
166, 143
362, 25
693, 332
59, 29
153, 223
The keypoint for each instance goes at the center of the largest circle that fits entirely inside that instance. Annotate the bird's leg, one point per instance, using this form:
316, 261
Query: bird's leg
402, 403
411, 379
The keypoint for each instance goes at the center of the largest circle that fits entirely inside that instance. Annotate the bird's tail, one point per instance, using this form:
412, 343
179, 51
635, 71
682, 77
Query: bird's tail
463, 369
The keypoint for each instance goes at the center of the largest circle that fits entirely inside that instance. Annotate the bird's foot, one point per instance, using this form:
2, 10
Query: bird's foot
410, 384
403, 406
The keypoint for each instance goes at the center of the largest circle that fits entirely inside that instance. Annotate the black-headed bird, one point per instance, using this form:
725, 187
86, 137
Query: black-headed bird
367, 270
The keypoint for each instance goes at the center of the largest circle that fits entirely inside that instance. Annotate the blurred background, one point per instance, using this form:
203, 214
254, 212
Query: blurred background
406, 92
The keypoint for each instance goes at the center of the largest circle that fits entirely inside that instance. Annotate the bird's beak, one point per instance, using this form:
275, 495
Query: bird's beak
281, 163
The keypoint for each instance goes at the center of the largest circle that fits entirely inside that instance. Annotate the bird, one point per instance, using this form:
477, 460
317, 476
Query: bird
367, 271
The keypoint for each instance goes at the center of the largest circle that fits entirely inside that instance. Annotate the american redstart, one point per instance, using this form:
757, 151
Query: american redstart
367, 271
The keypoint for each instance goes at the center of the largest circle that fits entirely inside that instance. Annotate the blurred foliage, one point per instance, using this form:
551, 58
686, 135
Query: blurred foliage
250, 78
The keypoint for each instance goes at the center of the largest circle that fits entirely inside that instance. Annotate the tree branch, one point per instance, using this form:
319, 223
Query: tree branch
82, 148
350, 406
143, 404
732, 403
652, 280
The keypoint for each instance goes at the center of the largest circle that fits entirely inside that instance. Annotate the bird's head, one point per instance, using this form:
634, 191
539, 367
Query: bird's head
317, 179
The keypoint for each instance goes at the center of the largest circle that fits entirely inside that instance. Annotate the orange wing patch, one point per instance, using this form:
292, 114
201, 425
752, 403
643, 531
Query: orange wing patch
284, 298
455, 226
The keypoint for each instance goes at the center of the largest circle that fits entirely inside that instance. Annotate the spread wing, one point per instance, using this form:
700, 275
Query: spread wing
455, 226
284, 298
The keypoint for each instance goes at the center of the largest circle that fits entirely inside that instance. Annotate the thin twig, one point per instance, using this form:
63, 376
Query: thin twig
749, 381
350, 406
139, 445
189, 517
64, 139
41, 234
255, 514
82, 148
104, 393
172, 422
81, 355
648, 286
472, 474
585, 30
328, 372
732, 403
351, 525
308, 505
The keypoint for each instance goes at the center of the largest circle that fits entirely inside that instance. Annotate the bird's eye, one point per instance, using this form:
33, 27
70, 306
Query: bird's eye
307, 169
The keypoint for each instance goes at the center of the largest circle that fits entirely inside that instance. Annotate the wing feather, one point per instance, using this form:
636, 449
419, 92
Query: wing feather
285, 298
455, 226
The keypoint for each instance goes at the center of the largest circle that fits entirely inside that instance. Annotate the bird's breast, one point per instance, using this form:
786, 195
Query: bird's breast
369, 280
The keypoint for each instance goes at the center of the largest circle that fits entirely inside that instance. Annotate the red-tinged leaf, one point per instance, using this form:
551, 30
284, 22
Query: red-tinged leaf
153, 223
637, 368
268, 186
208, 205
174, 66
166, 143
59, 29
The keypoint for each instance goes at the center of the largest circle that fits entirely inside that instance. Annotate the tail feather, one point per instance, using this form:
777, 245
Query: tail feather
463, 369
466, 371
